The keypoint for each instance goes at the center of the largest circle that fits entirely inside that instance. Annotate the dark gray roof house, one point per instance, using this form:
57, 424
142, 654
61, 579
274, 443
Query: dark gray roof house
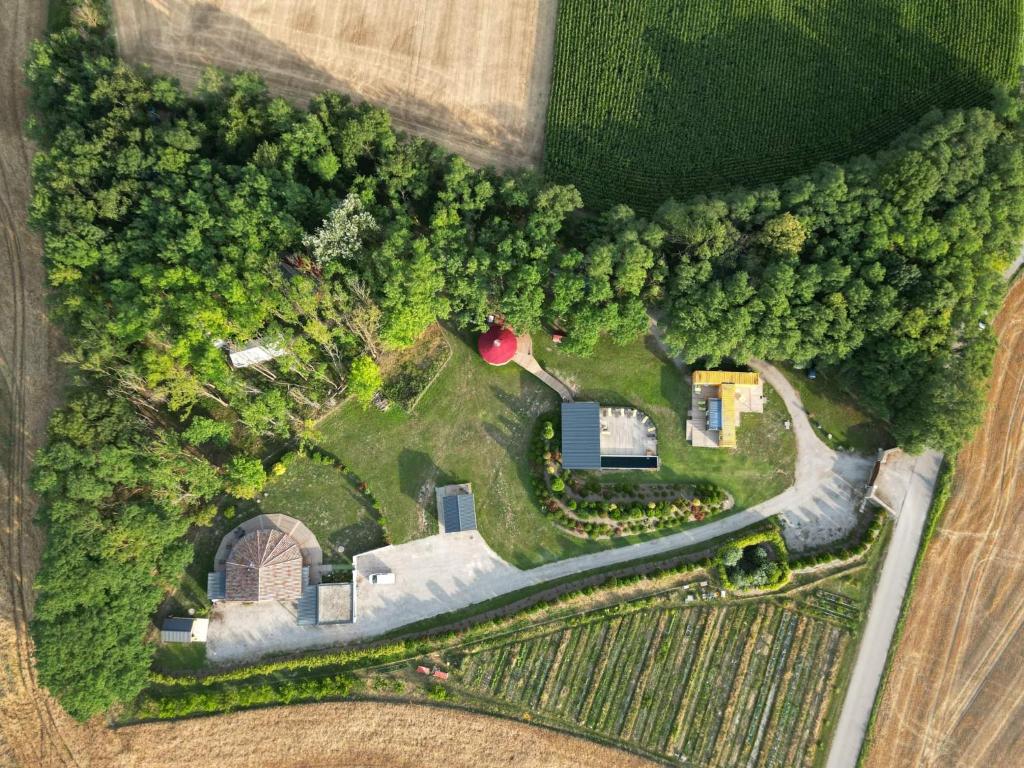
581, 436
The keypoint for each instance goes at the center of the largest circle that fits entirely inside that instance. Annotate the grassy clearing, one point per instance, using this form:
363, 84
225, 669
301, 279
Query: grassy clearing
172, 658
659, 98
639, 375
838, 415
474, 425
336, 513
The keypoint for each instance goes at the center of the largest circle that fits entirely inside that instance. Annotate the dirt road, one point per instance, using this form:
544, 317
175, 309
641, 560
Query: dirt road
33, 730
472, 75
955, 695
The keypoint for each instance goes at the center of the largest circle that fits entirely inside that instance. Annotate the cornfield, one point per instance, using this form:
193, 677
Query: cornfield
659, 98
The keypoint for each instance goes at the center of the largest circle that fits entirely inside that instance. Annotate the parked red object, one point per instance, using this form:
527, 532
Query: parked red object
498, 345
557, 338
423, 670
440, 675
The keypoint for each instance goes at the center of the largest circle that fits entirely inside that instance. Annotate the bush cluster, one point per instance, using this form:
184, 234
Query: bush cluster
758, 561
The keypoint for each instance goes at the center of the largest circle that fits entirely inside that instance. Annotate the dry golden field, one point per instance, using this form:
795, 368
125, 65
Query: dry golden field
472, 75
955, 695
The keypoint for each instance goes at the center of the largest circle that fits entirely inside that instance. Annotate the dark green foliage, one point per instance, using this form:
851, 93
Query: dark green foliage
112, 496
659, 98
889, 268
757, 561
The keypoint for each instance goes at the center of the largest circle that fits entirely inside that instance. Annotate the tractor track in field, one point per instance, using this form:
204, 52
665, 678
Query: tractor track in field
954, 695
33, 728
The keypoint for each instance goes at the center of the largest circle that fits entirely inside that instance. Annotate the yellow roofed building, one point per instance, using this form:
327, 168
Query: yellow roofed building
718, 399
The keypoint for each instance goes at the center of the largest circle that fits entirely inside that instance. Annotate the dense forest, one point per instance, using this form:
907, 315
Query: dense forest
174, 223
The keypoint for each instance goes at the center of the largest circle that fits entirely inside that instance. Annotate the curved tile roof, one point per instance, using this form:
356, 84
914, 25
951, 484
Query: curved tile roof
264, 565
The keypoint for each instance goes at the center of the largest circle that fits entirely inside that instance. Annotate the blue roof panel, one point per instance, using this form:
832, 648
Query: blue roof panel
459, 513
714, 413
581, 436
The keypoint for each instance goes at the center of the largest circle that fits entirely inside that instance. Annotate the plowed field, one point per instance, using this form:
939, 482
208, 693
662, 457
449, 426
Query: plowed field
955, 695
472, 75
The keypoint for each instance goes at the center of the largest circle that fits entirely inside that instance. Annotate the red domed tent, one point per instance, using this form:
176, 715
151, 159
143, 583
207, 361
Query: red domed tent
498, 345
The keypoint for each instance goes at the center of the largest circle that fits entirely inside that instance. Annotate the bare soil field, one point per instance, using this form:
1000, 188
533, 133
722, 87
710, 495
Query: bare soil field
955, 694
472, 75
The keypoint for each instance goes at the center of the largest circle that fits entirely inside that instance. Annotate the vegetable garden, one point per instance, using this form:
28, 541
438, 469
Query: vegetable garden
742, 684
659, 98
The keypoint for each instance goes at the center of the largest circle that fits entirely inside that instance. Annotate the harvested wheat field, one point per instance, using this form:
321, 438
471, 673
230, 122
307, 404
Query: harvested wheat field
360, 734
955, 695
34, 731
472, 75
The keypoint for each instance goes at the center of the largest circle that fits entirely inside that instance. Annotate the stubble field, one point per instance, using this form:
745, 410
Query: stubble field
955, 695
472, 75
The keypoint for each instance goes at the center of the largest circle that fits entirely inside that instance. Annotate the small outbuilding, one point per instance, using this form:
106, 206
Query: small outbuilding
456, 508
255, 353
498, 345
184, 630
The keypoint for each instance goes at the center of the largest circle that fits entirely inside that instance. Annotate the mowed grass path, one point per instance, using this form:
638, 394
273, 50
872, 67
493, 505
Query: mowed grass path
474, 425
659, 98
638, 375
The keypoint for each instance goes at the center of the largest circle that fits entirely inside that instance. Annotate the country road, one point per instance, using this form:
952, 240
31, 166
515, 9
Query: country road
909, 492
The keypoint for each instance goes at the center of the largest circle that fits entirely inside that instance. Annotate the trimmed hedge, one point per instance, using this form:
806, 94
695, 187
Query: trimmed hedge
771, 536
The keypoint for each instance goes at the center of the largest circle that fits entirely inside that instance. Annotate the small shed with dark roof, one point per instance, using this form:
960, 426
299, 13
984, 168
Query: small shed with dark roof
184, 630
456, 508
581, 436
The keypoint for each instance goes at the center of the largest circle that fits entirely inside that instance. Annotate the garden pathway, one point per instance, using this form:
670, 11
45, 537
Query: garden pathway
524, 359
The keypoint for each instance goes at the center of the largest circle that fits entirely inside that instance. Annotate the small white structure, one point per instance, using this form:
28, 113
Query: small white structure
257, 352
184, 630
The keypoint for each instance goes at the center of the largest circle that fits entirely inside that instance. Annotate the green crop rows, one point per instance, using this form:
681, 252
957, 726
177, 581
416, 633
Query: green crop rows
659, 98
747, 684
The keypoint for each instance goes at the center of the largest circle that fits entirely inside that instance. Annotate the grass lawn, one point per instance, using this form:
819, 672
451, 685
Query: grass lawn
659, 98
474, 425
179, 657
639, 375
322, 498
837, 413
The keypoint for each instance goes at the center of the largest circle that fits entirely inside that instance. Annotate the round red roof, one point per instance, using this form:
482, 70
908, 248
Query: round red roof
497, 346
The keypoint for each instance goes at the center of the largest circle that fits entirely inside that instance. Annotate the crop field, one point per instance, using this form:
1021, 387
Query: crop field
748, 684
659, 98
472, 75
953, 696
